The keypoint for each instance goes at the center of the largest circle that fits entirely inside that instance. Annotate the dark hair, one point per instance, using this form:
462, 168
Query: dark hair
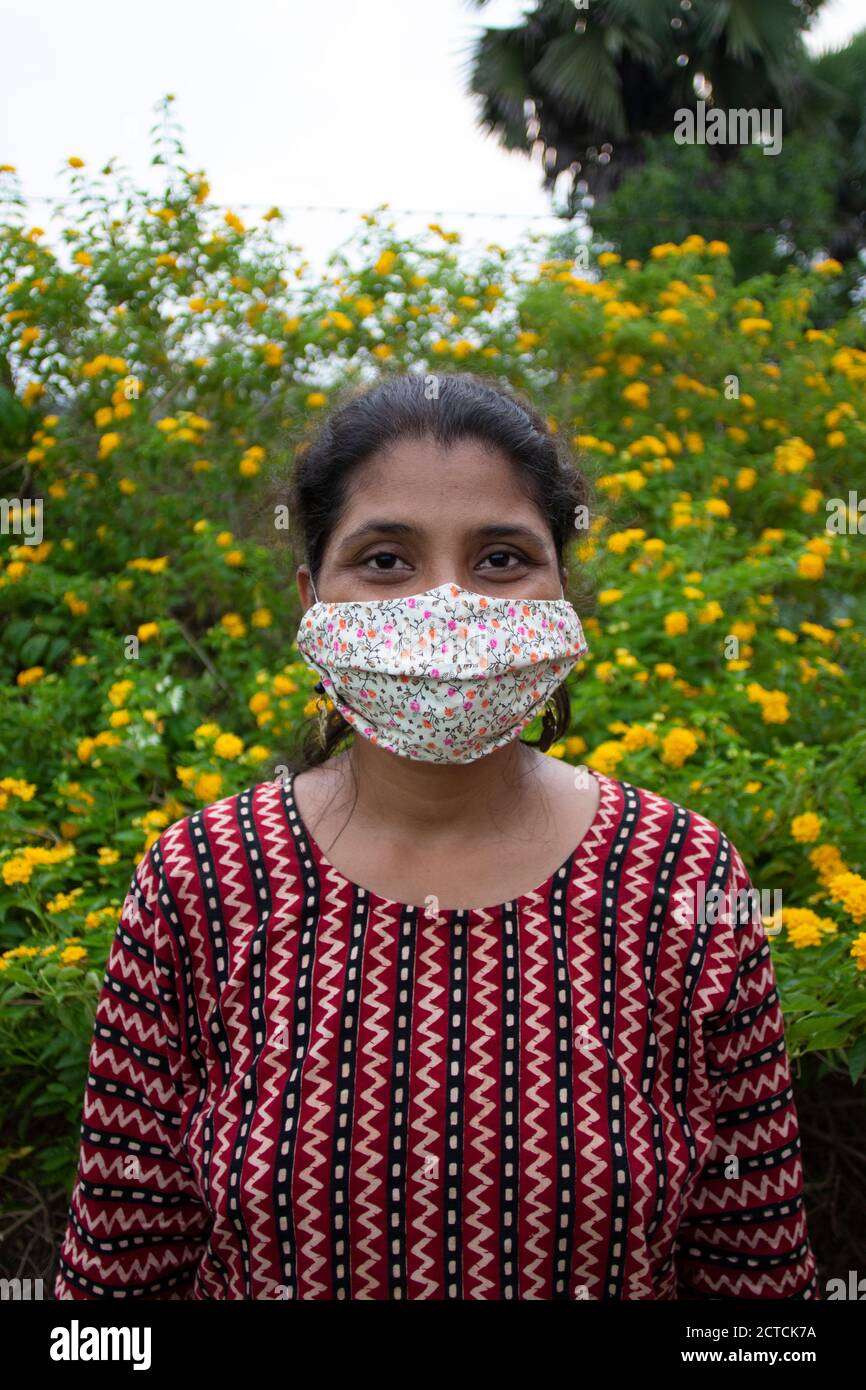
447, 407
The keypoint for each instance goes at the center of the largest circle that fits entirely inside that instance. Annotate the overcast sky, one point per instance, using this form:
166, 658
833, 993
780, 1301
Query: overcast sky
279, 106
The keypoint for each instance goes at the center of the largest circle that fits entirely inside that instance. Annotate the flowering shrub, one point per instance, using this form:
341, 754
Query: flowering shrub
165, 361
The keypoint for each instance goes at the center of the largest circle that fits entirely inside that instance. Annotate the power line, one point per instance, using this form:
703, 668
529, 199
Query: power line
562, 218
359, 211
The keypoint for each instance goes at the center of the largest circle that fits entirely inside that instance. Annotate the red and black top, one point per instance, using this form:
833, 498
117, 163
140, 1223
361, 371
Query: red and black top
301, 1089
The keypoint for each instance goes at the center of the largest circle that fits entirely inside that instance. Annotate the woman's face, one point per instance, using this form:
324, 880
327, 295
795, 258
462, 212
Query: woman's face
418, 516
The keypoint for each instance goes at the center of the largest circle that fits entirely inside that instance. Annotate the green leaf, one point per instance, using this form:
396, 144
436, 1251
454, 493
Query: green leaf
857, 1060
34, 649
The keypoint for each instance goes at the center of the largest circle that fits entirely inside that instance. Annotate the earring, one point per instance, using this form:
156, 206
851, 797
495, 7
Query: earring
548, 724
322, 712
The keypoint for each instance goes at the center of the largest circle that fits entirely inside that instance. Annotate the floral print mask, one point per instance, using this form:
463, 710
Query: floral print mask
444, 676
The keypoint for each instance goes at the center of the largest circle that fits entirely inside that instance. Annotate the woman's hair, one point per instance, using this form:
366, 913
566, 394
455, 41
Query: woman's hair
447, 407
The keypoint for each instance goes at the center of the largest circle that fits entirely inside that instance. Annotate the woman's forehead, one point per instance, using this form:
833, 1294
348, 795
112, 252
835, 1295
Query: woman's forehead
421, 470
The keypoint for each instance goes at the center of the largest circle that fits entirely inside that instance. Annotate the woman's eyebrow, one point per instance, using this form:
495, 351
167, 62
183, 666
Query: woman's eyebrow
403, 528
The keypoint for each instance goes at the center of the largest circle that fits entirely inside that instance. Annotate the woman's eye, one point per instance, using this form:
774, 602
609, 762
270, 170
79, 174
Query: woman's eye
498, 555
387, 555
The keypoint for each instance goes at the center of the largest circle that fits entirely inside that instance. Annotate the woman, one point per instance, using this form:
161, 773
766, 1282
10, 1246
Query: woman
436, 1016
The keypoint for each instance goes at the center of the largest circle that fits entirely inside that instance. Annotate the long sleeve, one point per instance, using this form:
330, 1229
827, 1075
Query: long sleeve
743, 1230
137, 1224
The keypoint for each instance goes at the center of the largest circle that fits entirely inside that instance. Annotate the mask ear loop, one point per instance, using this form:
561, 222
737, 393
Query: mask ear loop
321, 704
548, 718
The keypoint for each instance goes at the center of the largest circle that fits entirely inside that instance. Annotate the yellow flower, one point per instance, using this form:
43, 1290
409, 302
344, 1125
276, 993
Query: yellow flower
107, 444
119, 692
146, 631
72, 954
821, 634
606, 756
803, 927
384, 263
639, 736
810, 567
676, 624
610, 595
806, 828
17, 870
774, 703
792, 456
818, 545
858, 951
15, 786
717, 506
828, 266
677, 746
234, 558
208, 786
30, 676
317, 398
620, 541
228, 746
637, 394
827, 862
849, 890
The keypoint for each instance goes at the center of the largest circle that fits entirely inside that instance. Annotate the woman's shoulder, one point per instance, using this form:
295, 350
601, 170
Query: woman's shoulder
216, 849
640, 824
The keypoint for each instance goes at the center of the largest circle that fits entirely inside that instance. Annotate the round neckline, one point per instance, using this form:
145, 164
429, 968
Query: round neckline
323, 861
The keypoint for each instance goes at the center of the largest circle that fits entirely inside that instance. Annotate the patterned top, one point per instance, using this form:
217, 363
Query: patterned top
301, 1089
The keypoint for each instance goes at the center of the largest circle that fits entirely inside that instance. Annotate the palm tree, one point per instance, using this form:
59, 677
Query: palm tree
584, 82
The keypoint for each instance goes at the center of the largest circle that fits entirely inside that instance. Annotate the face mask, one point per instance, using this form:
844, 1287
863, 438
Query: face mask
444, 676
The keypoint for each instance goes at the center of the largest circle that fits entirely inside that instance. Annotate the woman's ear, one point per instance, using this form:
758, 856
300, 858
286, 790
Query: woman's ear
306, 587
